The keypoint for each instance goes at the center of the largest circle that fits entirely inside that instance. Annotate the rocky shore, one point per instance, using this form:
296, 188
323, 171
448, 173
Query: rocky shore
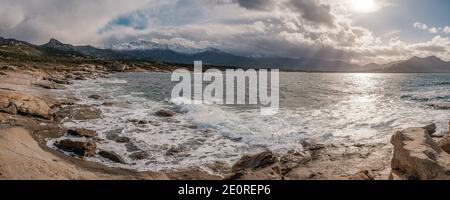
33, 103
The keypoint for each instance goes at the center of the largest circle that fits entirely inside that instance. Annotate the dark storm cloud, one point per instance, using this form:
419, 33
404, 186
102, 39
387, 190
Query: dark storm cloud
257, 4
313, 11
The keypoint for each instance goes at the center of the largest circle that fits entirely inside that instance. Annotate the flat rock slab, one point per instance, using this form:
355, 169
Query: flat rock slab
78, 112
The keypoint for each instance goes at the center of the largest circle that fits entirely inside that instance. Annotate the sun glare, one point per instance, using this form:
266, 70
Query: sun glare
364, 6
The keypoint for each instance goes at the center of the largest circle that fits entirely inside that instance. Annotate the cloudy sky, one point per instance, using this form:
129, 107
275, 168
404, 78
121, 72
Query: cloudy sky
359, 31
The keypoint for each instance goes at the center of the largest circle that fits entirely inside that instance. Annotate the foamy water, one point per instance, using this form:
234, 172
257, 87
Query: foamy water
323, 108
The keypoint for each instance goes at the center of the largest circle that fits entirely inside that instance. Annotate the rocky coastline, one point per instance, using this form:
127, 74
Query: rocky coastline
33, 103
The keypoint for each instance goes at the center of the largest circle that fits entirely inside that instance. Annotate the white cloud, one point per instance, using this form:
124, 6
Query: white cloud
447, 30
420, 26
434, 30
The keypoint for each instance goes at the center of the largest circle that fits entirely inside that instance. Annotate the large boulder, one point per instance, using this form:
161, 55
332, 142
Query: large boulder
417, 156
80, 148
14, 102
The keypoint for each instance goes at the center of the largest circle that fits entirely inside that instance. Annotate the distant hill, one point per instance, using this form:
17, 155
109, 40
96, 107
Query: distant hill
149, 51
143, 50
430, 64
16, 47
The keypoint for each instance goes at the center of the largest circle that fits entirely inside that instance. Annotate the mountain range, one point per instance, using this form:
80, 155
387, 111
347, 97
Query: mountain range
180, 54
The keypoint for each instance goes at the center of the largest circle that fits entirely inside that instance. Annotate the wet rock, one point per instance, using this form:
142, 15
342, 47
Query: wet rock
165, 113
122, 140
417, 156
174, 151
79, 78
114, 136
131, 147
440, 106
234, 139
111, 156
116, 103
138, 122
364, 175
65, 102
431, 128
141, 155
69, 76
82, 132
311, 146
80, 112
444, 143
108, 103
95, 96
50, 85
255, 162
14, 102
86, 149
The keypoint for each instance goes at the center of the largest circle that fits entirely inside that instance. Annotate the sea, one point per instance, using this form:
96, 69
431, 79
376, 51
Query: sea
322, 108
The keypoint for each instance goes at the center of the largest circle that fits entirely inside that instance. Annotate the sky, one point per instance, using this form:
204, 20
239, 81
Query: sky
358, 31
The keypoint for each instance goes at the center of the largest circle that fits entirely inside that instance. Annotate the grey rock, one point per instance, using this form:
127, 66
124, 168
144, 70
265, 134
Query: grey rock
82, 132
141, 155
111, 156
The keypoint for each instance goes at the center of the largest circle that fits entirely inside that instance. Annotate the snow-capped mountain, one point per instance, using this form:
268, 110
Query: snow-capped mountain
151, 45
